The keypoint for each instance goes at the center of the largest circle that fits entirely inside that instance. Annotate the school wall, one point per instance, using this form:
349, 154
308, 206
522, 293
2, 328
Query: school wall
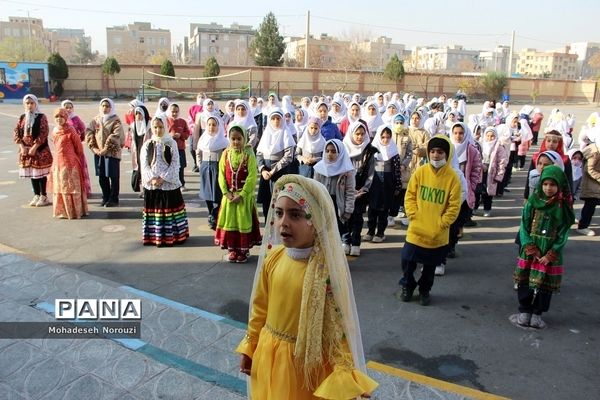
88, 81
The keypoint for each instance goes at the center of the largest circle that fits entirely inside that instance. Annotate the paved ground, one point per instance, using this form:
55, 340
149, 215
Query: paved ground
463, 338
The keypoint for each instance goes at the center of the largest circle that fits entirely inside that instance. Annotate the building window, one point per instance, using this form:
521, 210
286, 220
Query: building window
226, 37
117, 40
16, 32
162, 41
151, 41
141, 40
214, 38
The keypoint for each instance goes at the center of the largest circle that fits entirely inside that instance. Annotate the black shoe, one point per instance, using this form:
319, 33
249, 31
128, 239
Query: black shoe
507, 190
425, 298
111, 204
406, 294
195, 169
103, 203
451, 253
470, 223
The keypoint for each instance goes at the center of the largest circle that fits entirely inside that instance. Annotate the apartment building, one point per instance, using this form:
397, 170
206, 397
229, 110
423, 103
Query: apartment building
229, 45
24, 28
138, 42
550, 64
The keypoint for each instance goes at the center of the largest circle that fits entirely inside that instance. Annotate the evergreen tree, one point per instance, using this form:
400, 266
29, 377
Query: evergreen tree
267, 47
212, 67
166, 68
394, 70
58, 71
111, 67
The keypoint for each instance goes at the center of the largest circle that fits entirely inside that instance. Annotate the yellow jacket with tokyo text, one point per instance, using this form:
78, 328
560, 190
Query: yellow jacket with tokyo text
432, 203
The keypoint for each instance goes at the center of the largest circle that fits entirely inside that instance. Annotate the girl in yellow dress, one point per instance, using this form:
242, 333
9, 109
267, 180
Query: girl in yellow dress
303, 339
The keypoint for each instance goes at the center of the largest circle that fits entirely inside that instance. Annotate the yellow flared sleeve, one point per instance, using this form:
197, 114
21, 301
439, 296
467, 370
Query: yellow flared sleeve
345, 384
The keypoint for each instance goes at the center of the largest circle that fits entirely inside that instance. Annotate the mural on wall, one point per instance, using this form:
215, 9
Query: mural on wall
20, 78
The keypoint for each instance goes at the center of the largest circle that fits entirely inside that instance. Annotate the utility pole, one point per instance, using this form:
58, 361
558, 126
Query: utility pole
510, 54
307, 38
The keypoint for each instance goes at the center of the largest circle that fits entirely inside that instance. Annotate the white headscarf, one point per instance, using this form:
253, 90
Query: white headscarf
159, 111
487, 147
301, 125
30, 116
460, 149
215, 142
71, 111
141, 128
388, 151
341, 165
337, 117
275, 140
350, 118
247, 121
373, 121
352, 148
311, 144
111, 113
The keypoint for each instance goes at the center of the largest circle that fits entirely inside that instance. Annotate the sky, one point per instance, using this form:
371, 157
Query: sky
542, 25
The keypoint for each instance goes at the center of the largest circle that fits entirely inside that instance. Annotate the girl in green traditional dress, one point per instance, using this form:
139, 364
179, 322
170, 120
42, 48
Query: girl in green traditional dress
237, 225
545, 223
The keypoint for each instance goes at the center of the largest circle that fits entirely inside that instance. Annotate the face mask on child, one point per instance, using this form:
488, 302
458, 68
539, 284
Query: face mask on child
398, 128
576, 163
438, 163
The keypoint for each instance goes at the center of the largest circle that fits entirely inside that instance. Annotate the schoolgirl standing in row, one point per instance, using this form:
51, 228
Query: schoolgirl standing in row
243, 117
164, 217
180, 132
140, 132
362, 156
79, 126
386, 186
210, 147
274, 154
35, 158
237, 225
310, 147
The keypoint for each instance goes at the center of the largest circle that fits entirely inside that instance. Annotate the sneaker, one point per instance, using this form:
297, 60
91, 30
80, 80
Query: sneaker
586, 232
523, 319
195, 169
425, 298
440, 270
404, 221
346, 248
109, 204
241, 258
35, 200
451, 253
232, 256
367, 238
537, 322
487, 214
391, 221
183, 189
378, 239
406, 294
401, 214
42, 201
355, 251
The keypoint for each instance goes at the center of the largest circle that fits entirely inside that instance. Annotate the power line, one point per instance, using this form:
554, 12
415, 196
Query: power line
410, 30
540, 40
95, 11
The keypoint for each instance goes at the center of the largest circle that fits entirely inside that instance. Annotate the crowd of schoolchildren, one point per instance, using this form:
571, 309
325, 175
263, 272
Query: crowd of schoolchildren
394, 159
320, 167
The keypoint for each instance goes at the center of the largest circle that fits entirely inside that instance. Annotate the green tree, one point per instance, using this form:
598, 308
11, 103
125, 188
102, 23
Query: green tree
211, 68
167, 68
22, 49
83, 52
58, 71
394, 70
267, 48
111, 67
493, 84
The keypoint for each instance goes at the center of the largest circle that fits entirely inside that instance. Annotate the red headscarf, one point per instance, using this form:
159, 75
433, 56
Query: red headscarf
560, 149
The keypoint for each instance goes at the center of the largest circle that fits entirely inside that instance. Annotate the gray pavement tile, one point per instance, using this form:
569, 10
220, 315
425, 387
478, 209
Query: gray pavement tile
16, 312
173, 384
112, 362
37, 378
87, 387
219, 393
393, 387
6, 342
7, 393
21, 289
230, 341
224, 361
